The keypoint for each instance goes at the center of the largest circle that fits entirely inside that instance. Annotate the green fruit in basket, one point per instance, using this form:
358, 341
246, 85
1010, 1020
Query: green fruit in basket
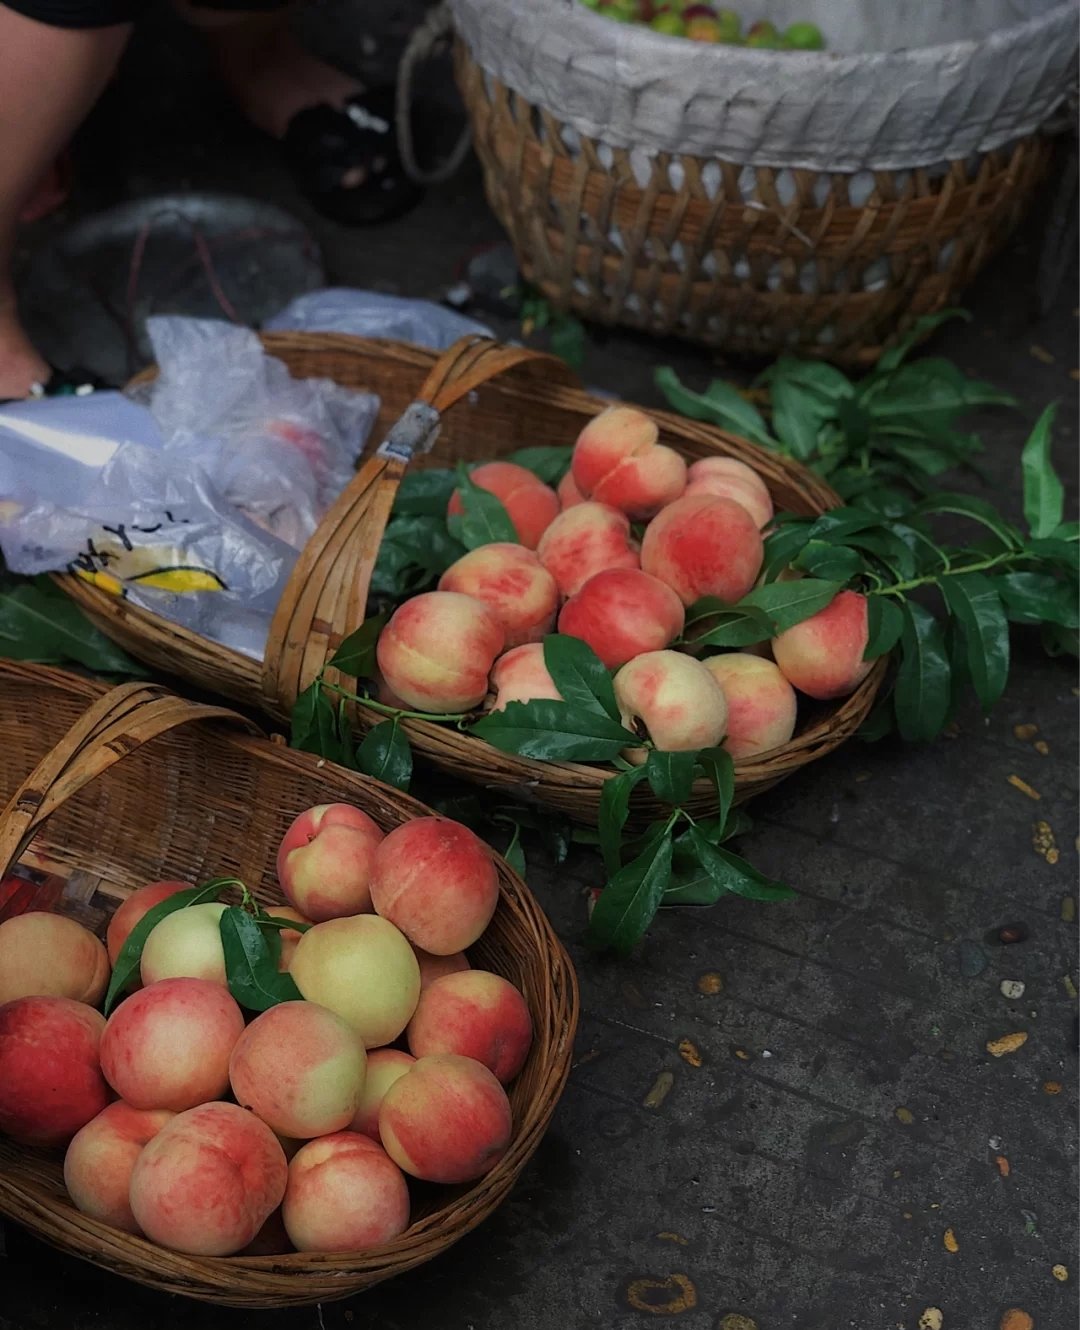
804, 37
730, 25
703, 30
763, 36
671, 25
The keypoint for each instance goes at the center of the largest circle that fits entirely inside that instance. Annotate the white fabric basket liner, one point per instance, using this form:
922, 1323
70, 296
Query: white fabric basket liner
905, 83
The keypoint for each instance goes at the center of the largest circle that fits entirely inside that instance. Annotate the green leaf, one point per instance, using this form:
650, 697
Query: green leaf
975, 603
127, 962
485, 521
796, 418
731, 873
720, 769
783, 545
923, 678
965, 505
39, 623
880, 722
579, 674
691, 884
514, 854
318, 727
789, 603
721, 405
671, 775
1058, 641
555, 732
614, 810
837, 563
839, 524
425, 493
385, 754
632, 896
275, 925
922, 327
725, 627
885, 623
250, 966
1037, 598
1044, 496
893, 553
548, 463
822, 381
929, 389
568, 339
1065, 553
356, 654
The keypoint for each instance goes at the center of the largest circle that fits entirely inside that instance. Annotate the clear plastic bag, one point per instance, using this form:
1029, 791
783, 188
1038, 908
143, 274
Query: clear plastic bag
358, 313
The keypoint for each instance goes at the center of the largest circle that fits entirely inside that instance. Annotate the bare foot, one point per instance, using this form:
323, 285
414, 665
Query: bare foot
20, 365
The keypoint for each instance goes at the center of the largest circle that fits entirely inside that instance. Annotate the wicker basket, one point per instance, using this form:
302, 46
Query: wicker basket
502, 399
135, 784
760, 253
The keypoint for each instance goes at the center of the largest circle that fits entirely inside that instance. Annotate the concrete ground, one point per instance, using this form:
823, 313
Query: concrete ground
779, 1117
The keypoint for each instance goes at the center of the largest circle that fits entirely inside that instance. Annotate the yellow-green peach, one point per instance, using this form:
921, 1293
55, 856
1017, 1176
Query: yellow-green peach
674, 698
384, 1067
186, 945
50, 955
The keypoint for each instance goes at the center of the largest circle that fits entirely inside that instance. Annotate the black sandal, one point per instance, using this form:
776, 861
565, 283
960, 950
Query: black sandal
322, 144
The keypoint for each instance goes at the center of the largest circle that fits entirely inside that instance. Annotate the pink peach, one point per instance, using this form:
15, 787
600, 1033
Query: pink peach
208, 1181
617, 460
384, 1067
438, 649
101, 1157
434, 967
569, 494
50, 955
290, 937
168, 1045
477, 1014
511, 582
703, 545
446, 1120
589, 539
436, 881
730, 479
531, 505
823, 656
345, 1194
324, 863
50, 1078
522, 676
760, 703
675, 698
621, 613
300, 1068
132, 910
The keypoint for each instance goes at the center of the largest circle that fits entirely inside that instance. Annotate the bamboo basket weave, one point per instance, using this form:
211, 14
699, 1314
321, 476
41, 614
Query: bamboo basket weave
135, 784
804, 266
490, 400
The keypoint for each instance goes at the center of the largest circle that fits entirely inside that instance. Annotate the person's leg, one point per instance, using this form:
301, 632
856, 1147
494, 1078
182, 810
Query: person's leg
50, 77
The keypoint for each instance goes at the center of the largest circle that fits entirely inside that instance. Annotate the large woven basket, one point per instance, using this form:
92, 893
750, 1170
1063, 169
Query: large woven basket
491, 400
758, 201
134, 784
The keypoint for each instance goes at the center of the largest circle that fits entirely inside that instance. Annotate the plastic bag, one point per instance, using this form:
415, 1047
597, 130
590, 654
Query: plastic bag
372, 314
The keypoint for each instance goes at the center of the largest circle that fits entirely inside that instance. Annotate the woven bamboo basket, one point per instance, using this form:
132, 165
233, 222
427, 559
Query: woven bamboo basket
759, 254
490, 400
135, 784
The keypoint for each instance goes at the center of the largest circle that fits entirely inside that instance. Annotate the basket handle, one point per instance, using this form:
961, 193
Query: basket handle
327, 591
115, 726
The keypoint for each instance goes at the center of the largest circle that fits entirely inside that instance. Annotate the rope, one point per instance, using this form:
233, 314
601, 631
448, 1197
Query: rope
428, 40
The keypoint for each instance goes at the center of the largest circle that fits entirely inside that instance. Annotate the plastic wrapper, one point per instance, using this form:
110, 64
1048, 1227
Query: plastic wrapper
372, 314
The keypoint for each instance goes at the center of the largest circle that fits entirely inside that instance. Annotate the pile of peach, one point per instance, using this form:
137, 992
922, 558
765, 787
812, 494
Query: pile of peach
578, 570
213, 1134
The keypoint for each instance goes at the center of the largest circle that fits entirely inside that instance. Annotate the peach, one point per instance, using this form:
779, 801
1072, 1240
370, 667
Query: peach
50, 1078
434, 967
49, 955
289, 936
324, 863
511, 582
621, 613
436, 881
344, 1193
730, 479
446, 1120
477, 1014
675, 698
208, 1181
438, 649
168, 1045
300, 1068
589, 539
823, 656
132, 910
522, 676
384, 1067
531, 505
760, 702
569, 494
186, 945
617, 460
100, 1160
704, 545
364, 970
